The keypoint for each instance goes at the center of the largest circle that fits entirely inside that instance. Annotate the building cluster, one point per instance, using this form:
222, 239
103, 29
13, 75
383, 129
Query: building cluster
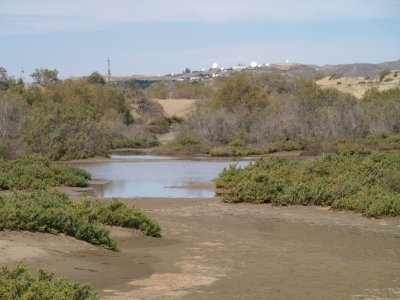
215, 71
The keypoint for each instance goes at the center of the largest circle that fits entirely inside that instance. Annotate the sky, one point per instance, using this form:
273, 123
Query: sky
156, 37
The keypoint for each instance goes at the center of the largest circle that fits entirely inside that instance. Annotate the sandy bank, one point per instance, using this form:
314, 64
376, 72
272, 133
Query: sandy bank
212, 250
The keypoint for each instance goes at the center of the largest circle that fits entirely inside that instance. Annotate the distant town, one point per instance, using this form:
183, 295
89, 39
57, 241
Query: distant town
287, 68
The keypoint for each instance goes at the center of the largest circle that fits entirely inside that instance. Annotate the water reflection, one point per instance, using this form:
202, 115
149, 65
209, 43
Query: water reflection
155, 178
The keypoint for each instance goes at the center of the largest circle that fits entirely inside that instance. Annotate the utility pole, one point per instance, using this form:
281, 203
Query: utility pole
109, 70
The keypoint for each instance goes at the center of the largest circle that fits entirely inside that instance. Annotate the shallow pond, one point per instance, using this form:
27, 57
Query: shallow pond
155, 176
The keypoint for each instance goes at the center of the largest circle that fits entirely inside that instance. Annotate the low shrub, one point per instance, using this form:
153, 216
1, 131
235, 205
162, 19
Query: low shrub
30, 173
117, 213
384, 73
383, 142
367, 184
184, 146
236, 147
341, 146
160, 125
53, 212
6, 151
284, 146
355, 146
19, 283
137, 142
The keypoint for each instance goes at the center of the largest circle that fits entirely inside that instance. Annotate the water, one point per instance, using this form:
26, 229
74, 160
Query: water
151, 176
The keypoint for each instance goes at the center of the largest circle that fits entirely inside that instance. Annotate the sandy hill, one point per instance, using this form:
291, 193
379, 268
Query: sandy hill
358, 85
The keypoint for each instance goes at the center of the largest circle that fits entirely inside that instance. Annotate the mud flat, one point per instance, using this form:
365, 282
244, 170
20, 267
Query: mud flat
212, 250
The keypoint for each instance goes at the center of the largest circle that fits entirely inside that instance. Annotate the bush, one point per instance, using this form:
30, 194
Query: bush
53, 212
159, 126
116, 213
185, 145
137, 142
35, 174
367, 184
20, 283
240, 93
236, 147
383, 74
6, 151
61, 132
284, 146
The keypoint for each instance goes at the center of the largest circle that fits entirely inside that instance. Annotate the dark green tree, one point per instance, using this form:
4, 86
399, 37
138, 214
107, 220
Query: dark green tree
96, 78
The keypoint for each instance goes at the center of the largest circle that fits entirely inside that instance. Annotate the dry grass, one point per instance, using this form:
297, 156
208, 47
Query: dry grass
358, 85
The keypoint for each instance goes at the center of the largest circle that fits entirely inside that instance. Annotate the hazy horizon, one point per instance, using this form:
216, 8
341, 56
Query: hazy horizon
157, 37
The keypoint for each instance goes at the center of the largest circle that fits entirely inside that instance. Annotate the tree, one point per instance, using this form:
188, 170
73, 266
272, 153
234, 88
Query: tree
45, 76
96, 78
239, 93
5, 80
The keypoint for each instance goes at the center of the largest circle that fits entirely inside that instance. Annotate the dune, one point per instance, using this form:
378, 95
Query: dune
177, 107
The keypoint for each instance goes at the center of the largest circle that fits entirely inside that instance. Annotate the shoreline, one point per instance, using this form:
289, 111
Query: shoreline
216, 250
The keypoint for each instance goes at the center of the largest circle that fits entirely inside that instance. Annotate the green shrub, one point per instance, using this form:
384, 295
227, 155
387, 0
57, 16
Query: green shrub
236, 147
20, 283
61, 131
34, 174
116, 213
383, 142
368, 184
137, 142
185, 145
160, 125
53, 212
284, 146
6, 150
239, 92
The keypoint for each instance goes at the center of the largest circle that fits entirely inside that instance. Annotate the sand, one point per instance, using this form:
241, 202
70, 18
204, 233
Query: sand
177, 107
212, 250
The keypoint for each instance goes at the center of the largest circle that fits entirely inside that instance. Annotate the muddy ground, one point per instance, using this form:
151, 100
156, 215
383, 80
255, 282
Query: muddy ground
212, 250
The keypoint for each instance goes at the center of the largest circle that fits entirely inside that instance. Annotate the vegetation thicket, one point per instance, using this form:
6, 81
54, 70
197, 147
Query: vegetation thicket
263, 109
66, 119
53, 212
30, 173
367, 184
19, 283
83, 118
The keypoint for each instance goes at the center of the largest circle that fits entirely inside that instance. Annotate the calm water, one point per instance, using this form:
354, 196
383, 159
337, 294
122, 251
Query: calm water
154, 176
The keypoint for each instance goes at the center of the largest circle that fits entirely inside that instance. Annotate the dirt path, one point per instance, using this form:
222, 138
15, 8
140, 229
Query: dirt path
212, 250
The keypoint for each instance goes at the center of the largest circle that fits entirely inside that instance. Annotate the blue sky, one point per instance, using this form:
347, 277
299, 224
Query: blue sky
166, 36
